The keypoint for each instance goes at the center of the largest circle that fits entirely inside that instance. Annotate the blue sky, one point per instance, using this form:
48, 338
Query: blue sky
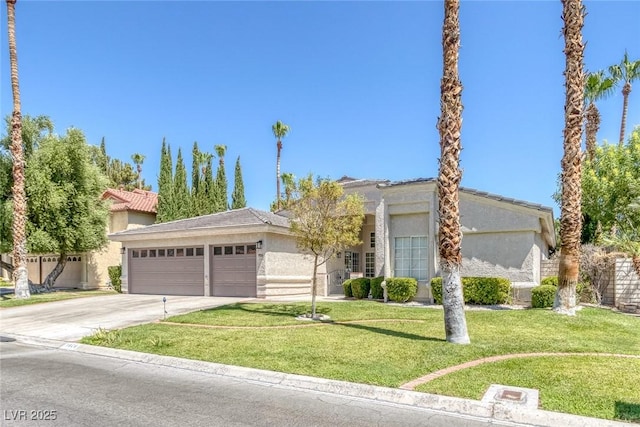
358, 82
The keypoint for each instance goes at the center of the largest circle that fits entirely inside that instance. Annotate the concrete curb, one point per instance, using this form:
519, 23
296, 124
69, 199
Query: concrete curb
498, 411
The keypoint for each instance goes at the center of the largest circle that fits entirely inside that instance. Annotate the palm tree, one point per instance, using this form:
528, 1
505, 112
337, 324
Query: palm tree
449, 176
221, 180
280, 130
138, 159
627, 71
597, 86
220, 150
19, 226
570, 211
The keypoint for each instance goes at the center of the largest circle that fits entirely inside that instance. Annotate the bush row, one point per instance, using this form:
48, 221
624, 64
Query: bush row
478, 290
400, 289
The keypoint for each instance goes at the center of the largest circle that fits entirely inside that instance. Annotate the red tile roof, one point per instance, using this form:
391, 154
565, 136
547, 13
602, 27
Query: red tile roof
136, 200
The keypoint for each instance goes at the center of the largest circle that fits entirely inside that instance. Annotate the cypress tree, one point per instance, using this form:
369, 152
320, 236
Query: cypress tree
181, 196
222, 199
238, 200
208, 196
165, 185
195, 180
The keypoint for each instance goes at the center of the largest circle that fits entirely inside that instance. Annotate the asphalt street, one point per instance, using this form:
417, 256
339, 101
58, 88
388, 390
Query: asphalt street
53, 387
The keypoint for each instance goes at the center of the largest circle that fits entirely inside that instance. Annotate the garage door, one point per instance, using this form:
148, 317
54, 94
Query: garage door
233, 270
167, 271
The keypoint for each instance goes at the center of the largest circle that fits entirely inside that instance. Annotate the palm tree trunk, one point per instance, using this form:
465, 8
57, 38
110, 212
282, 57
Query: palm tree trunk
571, 213
20, 274
626, 90
592, 127
279, 144
449, 125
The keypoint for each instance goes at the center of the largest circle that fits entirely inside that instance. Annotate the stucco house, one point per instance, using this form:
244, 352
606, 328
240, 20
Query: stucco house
252, 253
127, 210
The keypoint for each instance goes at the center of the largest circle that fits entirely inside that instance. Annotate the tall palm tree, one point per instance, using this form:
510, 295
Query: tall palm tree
138, 160
449, 176
220, 150
597, 86
626, 71
280, 130
570, 211
19, 233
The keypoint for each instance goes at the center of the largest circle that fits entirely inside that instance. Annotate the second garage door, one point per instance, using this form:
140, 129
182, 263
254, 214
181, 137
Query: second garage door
167, 271
233, 270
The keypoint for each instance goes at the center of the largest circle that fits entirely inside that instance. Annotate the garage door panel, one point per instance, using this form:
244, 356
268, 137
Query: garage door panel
167, 275
233, 274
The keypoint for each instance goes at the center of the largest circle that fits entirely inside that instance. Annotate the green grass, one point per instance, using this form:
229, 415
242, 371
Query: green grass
408, 345
4, 283
597, 386
10, 300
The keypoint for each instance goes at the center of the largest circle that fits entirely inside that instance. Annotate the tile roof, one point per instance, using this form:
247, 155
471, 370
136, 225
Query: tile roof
472, 191
136, 200
232, 218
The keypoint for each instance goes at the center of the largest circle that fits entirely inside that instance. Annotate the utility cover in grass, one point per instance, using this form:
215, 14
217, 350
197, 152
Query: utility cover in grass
318, 318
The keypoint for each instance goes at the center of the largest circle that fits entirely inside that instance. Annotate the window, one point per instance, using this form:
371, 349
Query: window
410, 257
180, 252
135, 253
239, 250
372, 240
199, 251
251, 249
217, 250
171, 252
152, 253
369, 264
352, 261
228, 250
160, 252
189, 251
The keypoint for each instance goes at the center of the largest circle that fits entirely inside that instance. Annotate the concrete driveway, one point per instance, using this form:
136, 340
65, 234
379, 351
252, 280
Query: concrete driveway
70, 320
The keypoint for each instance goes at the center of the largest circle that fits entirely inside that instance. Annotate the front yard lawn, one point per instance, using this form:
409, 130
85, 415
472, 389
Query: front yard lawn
373, 343
9, 300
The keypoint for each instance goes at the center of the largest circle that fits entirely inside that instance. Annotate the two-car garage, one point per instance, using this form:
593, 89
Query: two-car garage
180, 270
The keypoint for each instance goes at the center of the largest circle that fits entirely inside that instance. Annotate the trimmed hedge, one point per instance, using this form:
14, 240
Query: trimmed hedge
549, 281
584, 292
346, 287
360, 287
115, 271
402, 289
478, 290
376, 287
543, 296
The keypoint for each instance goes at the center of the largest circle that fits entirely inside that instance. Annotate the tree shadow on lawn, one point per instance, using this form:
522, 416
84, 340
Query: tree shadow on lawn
272, 310
627, 411
389, 332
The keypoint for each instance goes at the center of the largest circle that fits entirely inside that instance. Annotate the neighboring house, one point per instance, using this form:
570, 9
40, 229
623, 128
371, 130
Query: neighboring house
252, 253
128, 210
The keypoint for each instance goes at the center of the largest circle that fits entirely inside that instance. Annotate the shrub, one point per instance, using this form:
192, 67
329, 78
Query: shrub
478, 290
346, 287
376, 287
115, 271
549, 281
402, 289
543, 296
360, 287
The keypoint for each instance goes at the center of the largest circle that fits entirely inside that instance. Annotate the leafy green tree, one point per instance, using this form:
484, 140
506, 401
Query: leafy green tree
181, 196
222, 199
280, 130
610, 188
120, 174
237, 197
34, 131
165, 185
66, 213
626, 71
324, 222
